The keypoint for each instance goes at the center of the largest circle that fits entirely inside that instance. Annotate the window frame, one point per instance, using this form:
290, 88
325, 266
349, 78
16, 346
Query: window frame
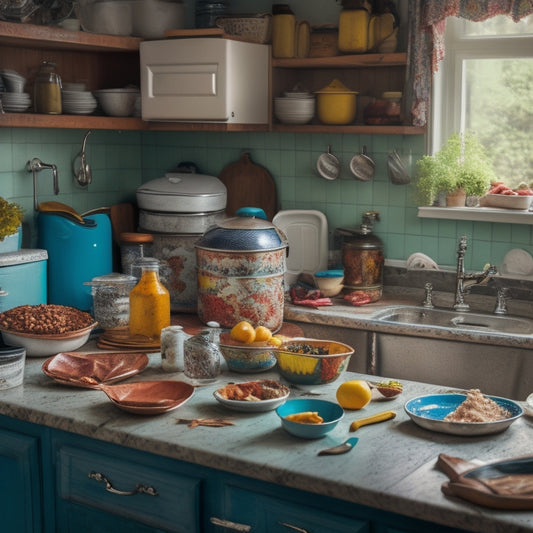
448, 96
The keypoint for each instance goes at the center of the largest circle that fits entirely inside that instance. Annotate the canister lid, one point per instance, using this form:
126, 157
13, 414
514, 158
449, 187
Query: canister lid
8, 354
20, 257
136, 238
112, 279
336, 87
185, 184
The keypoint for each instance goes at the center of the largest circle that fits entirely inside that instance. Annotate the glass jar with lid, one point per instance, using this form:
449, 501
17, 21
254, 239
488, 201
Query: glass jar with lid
149, 303
201, 358
47, 90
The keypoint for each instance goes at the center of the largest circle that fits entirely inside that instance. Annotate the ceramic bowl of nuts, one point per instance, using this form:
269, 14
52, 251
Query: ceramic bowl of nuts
46, 329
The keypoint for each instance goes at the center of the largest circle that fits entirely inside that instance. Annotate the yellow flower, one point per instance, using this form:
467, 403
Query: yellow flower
11, 216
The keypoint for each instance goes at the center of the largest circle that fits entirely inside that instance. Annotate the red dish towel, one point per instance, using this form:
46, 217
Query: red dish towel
310, 298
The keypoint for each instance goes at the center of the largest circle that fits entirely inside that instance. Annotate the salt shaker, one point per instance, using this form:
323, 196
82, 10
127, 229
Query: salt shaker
172, 340
201, 359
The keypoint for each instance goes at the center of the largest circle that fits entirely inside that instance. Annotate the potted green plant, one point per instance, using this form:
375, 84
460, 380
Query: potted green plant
11, 216
461, 166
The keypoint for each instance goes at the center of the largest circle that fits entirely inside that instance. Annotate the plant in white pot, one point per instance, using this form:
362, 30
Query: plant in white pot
461, 167
11, 216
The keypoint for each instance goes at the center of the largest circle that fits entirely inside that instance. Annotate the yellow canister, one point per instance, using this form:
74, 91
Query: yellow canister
353, 30
283, 31
336, 104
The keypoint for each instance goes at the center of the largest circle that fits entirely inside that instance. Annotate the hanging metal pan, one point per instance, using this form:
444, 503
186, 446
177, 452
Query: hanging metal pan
328, 166
362, 166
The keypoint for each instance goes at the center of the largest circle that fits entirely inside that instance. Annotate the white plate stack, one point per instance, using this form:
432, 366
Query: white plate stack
78, 102
15, 102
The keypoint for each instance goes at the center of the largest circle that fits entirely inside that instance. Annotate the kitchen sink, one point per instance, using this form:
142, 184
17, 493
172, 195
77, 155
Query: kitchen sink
444, 318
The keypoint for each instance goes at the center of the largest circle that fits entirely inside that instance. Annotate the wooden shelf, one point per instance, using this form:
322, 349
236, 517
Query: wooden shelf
345, 61
47, 37
358, 129
481, 214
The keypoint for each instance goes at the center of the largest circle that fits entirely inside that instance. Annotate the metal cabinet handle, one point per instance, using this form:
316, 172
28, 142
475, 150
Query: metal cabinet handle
139, 489
294, 528
230, 525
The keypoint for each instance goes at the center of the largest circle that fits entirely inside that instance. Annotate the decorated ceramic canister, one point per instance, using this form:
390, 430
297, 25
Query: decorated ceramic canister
241, 264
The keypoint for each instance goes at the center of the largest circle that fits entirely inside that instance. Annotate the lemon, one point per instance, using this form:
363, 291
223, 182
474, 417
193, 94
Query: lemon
243, 331
275, 340
354, 394
262, 333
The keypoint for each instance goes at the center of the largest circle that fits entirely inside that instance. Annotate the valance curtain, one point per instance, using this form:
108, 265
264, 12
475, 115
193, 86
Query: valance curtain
427, 21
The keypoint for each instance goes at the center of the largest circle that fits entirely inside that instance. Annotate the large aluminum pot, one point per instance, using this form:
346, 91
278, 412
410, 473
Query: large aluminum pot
161, 222
241, 264
180, 192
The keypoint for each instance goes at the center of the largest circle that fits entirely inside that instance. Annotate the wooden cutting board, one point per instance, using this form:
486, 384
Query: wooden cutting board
249, 185
500, 485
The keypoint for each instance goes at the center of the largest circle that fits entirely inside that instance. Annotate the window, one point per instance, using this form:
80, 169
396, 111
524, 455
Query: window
485, 85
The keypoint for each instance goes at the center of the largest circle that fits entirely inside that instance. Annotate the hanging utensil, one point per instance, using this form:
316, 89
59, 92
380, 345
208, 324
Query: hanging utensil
398, 173
82, 172
328, 166
341, 448
362, 166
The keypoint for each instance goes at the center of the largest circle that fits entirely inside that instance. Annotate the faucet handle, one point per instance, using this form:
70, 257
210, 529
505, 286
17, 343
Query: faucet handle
501, 301
428, 300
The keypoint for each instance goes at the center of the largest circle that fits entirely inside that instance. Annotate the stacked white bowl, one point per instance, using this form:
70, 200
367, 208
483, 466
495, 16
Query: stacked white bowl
78, 102
295, 107
117, 102
14, 100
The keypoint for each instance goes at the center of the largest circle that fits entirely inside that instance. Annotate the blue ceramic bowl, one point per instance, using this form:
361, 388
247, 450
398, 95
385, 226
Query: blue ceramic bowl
331, 412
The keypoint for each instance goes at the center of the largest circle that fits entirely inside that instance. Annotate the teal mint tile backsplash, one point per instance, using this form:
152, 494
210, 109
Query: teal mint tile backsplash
121, 161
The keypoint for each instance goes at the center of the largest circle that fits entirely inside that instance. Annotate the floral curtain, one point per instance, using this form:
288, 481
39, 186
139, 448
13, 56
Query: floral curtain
427, 21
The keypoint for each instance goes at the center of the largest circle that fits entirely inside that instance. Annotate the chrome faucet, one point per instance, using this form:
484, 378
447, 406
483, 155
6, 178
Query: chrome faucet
464, 281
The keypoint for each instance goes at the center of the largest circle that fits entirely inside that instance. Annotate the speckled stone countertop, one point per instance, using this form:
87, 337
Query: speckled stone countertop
345, 315
392, 467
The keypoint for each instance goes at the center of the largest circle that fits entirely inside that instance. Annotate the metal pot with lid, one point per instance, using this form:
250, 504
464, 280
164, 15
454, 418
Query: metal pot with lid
176, 210
241, 264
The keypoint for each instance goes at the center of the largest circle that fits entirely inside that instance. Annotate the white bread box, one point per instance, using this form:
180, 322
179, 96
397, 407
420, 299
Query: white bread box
205, 80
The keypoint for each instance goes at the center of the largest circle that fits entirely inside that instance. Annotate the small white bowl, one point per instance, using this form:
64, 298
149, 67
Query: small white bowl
117, 102
329, 282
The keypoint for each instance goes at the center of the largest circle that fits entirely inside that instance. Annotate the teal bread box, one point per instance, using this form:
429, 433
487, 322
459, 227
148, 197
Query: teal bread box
23, 278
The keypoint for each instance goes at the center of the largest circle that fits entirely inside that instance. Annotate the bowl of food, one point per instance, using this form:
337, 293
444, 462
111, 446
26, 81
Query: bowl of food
46, 329
117, 102
467, 413
312, 361
309, 418
329, 282
247, 357
252, 396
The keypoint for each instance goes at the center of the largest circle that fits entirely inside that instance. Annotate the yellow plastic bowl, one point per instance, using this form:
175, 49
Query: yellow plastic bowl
309, 369
336, 108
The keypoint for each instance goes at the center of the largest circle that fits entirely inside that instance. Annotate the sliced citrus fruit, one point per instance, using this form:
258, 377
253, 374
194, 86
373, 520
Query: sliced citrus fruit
243, 331
262, 333
354, 394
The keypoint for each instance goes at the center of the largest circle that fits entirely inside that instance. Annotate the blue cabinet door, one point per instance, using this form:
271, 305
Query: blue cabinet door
20, 483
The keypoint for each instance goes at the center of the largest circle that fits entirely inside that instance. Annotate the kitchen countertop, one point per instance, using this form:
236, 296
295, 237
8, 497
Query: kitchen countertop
345, 315
392, 468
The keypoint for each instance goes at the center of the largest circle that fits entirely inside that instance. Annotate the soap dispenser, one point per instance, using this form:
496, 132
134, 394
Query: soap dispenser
363, 259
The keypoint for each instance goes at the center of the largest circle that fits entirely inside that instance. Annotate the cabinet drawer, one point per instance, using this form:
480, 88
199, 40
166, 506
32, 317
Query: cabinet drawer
145, 494
265, 514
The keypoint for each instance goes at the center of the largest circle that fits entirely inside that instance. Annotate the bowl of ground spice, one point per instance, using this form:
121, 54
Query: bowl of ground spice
463, 413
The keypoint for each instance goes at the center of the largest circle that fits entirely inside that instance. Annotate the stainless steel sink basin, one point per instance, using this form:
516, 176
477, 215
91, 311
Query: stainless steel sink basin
444, 318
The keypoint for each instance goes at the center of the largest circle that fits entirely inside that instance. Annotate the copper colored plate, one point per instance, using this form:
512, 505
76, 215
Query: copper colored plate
122, 338
91, 370
149, 397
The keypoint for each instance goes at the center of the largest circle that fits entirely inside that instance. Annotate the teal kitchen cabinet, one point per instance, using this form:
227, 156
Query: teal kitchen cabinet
25, 494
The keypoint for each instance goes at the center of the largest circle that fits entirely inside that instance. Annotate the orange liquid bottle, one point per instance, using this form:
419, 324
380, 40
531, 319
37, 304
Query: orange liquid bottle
149, 303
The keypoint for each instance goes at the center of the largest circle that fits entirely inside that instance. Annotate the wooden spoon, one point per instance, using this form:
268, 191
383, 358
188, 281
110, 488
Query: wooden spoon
58, 207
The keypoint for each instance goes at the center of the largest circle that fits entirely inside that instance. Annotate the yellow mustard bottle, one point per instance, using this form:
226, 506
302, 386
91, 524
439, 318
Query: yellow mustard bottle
283, 31
353, 29
149, 303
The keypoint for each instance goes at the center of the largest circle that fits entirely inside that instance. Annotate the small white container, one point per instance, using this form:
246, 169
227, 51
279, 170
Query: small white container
151, 18
172, 340
12, 360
